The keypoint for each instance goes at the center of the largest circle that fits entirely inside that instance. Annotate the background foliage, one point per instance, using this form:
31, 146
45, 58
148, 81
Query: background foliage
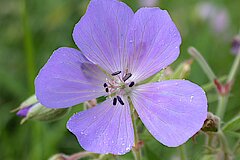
31, 30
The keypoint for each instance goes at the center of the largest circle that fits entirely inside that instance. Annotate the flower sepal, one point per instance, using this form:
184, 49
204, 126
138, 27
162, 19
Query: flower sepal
32, 109
41, 113
211, 124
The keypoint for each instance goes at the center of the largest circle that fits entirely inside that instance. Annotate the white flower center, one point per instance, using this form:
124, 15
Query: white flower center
117, 86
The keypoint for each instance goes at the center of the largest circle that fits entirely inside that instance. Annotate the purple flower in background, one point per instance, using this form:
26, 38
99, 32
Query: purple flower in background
119, 49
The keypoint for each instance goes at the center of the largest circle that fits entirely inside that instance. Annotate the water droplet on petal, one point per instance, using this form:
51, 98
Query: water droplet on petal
191, 98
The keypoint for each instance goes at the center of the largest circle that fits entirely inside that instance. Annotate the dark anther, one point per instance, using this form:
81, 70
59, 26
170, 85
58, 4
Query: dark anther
127, 76
106, 90
105, 85
114, 101
120, 100
116, 73
131, 84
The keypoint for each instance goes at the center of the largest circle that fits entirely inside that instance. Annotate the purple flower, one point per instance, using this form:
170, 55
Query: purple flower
119, 49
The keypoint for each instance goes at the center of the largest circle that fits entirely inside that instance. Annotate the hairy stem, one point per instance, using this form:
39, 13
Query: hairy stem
80, 155
234, 68
182, 152
136, 149
202, 62
223, 99
222, 104
224, 145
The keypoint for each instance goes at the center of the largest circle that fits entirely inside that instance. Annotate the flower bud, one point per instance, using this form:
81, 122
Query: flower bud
211, 124
32, 109
236, 45
26, 105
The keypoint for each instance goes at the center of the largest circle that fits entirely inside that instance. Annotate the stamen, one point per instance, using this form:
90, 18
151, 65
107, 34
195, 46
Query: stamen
107, 90
127, 76
120, 100
114, 101
116, 73
105, 85
131, 84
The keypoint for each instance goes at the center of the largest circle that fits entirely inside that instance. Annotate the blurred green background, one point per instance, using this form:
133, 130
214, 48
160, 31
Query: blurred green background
32, 29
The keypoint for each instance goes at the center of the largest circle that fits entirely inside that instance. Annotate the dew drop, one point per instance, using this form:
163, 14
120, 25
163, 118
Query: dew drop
191, 98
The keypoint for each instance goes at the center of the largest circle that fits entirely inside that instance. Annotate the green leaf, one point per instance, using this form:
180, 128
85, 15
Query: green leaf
232, 125
233, 134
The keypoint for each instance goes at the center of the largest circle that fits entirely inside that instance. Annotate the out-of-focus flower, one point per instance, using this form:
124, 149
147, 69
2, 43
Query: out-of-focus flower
148, 3
236, 45
119, 50
217, 17
32, 109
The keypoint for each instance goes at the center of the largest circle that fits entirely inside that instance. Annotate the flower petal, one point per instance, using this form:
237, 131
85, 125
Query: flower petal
68, 79
23, 112
101, 32
153, 42
104, 129
173, 111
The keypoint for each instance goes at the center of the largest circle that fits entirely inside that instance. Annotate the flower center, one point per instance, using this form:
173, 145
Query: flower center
118, 86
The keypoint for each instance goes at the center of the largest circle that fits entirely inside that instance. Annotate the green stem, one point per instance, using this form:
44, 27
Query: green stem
202, 62
234, 68
136, 150
28, 45
223, 99
224, 145
211, 85
236, 147
222, 104
80, 155
182, 152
